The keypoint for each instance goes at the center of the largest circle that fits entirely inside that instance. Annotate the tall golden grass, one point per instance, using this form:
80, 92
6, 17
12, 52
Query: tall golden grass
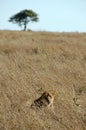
32, 62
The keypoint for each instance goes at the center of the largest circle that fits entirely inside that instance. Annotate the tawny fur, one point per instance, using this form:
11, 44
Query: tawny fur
46, 99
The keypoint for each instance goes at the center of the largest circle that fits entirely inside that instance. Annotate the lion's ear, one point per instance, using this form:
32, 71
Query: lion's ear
52, 92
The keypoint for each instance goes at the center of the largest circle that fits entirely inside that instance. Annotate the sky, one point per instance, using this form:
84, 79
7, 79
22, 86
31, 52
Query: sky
54, 15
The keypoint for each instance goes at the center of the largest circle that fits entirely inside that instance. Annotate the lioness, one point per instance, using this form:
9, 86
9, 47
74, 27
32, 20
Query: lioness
46, 99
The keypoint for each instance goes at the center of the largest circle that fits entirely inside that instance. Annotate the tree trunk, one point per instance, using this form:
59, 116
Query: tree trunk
25, 25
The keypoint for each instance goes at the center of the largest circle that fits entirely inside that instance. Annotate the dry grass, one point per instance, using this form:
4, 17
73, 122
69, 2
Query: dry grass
32, 62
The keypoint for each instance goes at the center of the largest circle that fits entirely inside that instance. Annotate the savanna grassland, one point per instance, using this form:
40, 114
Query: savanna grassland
33, 62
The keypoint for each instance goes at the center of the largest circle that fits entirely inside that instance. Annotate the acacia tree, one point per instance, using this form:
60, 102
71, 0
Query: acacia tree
24, 17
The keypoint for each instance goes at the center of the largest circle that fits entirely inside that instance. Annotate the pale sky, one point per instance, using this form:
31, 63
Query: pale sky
54, 15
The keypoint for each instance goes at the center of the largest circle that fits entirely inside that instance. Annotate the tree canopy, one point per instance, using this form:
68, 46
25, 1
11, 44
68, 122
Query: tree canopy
24, 17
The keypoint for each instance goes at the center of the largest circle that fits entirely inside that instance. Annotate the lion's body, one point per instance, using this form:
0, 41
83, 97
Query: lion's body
46, 99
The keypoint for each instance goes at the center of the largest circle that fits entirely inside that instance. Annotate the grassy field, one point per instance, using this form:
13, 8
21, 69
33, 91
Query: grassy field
33, 62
